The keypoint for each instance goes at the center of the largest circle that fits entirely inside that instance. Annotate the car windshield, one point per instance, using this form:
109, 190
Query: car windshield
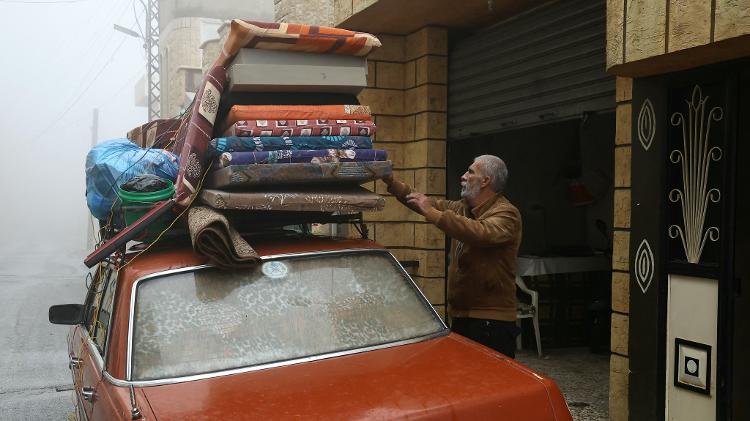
209, 320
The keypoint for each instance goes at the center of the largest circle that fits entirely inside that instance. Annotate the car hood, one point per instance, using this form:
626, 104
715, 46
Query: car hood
448, 377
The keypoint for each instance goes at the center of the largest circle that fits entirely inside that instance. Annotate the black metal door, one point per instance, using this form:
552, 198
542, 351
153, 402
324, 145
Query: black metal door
684, 219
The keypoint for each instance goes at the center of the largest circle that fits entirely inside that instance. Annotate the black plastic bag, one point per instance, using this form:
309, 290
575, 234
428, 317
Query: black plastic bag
145, 183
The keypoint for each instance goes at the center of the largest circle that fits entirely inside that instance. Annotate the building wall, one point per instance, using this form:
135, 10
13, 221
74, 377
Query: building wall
407, 92
343, 9
648, 37
310, 12
618, 366
179, 45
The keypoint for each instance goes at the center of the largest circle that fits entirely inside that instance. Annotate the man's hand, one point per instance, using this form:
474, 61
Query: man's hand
419, 201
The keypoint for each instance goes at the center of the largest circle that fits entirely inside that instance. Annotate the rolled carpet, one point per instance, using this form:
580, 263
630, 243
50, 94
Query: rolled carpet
214, 238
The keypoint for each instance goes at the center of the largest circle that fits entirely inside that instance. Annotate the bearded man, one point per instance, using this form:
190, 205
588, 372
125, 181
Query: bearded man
485, 232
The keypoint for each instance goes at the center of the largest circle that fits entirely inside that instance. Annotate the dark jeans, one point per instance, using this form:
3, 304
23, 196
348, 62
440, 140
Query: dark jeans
499, 335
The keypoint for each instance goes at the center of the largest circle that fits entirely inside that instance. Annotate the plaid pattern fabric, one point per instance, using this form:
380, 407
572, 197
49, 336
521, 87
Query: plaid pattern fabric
300, 38
296, 112
157, 134
250, 128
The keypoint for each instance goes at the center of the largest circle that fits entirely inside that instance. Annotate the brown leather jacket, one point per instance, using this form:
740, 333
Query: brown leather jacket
484, 248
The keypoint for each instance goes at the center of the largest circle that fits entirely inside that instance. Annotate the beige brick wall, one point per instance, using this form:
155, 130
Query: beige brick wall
310, 12
639, 30
407, 93
618, 376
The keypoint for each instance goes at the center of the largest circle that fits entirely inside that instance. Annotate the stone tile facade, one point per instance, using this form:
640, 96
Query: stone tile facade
180, 54
618, 379
309, 12
641, 30
407, 92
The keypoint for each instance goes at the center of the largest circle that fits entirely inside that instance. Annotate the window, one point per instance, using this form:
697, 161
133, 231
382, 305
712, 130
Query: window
211, 320
103, 297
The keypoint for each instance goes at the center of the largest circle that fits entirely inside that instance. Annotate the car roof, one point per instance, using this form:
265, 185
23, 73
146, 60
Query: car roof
179, 254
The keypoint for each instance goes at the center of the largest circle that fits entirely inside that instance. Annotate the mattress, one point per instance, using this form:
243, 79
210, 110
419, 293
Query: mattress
300, 38
263, 175
306, 156
275, 143
295, 112
251, 128
344, 200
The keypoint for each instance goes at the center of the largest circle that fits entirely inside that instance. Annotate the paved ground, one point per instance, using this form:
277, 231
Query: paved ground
582, 376
35, 383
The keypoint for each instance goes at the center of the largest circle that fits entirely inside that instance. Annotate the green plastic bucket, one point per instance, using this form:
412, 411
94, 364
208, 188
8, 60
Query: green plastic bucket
136, 204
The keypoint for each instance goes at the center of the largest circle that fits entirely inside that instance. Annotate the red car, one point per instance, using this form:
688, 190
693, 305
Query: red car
321, 329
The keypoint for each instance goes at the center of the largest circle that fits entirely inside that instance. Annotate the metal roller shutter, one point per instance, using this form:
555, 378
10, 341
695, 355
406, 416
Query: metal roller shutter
544, 65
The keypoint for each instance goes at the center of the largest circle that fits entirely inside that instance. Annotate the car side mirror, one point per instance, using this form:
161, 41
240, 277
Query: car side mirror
66, 314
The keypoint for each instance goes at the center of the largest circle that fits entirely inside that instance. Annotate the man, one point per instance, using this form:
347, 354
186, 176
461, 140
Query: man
485, 229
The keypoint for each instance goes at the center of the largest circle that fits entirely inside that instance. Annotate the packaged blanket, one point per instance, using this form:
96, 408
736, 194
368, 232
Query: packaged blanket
296, 112
329, 173
354, 199
273, 143
252, 128
315, 157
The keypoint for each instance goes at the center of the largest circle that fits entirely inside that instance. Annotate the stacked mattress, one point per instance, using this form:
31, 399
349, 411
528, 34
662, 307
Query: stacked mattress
294, 157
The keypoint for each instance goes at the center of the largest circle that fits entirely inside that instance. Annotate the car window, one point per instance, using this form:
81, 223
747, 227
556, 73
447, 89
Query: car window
103, 308
211, 320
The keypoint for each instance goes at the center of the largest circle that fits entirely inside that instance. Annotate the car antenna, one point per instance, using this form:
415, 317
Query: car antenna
135, 413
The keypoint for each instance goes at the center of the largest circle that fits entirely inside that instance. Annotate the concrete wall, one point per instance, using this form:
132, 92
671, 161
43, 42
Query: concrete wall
310, 12
407, 91
648, 37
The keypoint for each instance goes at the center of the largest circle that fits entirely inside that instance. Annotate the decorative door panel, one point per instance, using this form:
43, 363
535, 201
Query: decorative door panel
647, 249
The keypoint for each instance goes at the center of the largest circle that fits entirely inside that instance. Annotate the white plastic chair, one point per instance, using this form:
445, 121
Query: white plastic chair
531, 311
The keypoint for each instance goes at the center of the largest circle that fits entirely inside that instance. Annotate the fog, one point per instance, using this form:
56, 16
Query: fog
61, 60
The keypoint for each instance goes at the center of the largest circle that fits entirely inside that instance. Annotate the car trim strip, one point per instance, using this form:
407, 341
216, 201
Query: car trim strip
143, 383
183, 379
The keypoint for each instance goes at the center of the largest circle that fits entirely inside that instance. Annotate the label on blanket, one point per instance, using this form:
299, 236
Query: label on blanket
275, 270
210, 102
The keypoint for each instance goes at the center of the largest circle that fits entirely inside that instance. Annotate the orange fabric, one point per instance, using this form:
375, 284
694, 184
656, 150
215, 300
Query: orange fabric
296, 112
297, 37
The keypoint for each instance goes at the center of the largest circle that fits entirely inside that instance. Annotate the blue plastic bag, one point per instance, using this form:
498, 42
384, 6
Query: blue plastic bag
114, 162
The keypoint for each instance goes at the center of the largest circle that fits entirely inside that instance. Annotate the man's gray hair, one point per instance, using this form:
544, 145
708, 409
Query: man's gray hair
494, 168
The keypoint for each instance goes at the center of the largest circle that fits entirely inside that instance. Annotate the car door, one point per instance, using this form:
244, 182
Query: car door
91, 350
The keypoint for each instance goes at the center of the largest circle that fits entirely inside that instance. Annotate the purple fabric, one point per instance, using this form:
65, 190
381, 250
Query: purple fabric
315, 157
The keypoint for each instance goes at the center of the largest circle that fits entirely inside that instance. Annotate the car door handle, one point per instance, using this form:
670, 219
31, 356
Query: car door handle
74, 362
88, 393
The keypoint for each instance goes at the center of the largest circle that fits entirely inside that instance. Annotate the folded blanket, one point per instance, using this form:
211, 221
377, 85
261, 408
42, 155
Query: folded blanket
275, 143
297, 37
315, 157
213, 237
301, 128
260, 175
345, 200
295, 112
158, 134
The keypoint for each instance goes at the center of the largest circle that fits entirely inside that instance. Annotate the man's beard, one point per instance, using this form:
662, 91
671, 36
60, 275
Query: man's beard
469, 190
